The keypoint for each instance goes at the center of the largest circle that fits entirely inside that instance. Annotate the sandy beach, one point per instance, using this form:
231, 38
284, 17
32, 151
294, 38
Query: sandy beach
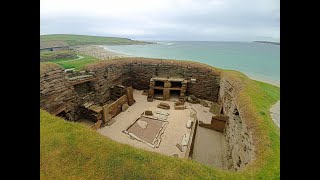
98, 52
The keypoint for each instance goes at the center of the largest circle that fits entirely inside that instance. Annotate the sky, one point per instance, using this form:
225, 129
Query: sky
180, 20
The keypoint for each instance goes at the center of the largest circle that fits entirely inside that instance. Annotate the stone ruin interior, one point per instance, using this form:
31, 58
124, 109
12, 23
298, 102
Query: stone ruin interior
172, 114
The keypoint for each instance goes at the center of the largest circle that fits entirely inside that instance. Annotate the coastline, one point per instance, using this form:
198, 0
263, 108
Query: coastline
99, 52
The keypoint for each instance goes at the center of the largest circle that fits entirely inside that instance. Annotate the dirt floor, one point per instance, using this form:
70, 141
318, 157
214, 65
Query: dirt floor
210, 147
173, 133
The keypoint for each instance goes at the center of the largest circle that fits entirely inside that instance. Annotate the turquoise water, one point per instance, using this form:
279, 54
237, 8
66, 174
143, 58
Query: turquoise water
257, 60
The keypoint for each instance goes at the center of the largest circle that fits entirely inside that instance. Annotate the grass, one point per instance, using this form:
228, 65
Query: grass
68, 63
51, 55
73, 151
72, 39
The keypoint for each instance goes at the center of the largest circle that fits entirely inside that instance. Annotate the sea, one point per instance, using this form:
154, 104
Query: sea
260, 61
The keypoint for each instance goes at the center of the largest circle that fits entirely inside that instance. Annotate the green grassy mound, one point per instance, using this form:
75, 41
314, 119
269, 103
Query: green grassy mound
73, 63
73, 40
70, 150
52, 55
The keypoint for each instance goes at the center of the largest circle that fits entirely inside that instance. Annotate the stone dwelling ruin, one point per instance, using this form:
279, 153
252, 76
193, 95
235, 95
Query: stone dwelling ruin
109, 94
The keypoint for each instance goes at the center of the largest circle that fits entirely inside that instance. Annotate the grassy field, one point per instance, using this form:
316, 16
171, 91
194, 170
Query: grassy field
68, 63
51, 55
73, 151
85, 40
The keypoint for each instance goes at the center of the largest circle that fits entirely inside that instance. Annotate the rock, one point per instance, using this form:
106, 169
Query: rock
150, 99
175, 155
97, 125
163, 106
192, 99
204, 103
189, 124
148, 113
125, 107
142, 124
185, 139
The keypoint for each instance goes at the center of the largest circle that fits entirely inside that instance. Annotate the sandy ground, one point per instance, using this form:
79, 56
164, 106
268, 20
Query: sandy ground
275, 113
210, 147
98, 52
173, 133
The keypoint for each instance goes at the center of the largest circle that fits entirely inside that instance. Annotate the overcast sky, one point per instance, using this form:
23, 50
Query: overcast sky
203, 20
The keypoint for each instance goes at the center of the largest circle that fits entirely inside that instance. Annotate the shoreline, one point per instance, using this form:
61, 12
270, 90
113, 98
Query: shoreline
99, 52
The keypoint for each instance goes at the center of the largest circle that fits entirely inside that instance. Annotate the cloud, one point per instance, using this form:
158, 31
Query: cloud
238, 20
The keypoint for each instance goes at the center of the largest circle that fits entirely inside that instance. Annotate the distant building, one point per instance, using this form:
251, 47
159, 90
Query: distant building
53, 46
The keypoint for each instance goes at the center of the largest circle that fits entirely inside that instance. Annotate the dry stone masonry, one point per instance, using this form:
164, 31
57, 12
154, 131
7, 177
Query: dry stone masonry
239, 139
103, 89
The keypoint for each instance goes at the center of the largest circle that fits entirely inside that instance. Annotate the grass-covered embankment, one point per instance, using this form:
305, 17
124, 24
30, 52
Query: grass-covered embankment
74, 63
52, 55
71, 150
72, 39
